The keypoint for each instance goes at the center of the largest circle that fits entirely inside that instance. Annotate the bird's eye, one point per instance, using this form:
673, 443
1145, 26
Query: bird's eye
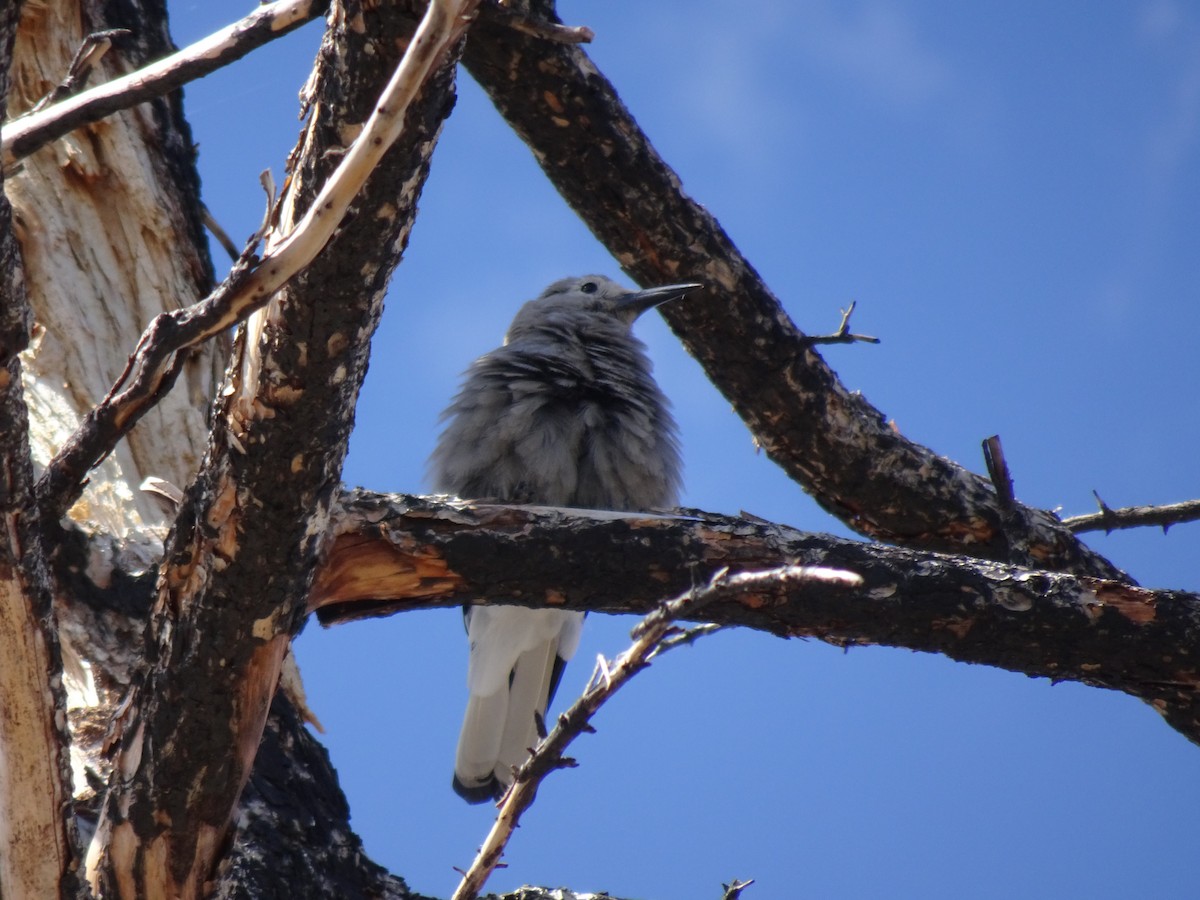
588, 287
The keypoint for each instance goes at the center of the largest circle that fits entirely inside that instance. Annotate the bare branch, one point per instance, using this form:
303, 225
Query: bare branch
650, 639
687, 636
223, 238
26, 134
399, 553
1108, 519
155, 363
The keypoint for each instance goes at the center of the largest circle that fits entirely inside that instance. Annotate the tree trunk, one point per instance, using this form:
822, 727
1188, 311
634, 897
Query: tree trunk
109, 224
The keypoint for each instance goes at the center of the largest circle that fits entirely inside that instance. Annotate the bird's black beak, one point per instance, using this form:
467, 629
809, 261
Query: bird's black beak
635, 303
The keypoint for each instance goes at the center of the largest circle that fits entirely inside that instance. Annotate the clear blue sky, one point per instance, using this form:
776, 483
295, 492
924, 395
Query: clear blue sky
1011, 192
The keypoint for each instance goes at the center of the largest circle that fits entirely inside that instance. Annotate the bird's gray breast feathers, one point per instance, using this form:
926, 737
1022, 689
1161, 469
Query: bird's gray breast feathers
556, 419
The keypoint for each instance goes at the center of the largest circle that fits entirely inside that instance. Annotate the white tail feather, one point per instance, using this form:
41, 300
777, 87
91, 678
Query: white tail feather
526, 696
512, 665
479, 740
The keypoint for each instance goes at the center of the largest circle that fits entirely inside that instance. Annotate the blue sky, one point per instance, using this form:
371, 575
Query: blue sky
1011, 192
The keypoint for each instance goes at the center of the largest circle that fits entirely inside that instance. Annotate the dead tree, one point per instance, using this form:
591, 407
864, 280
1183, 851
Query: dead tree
140, 675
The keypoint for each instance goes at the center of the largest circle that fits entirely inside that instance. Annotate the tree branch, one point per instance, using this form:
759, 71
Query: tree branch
1109, 520
396, 553
156, 361
26, 134
830, 440
651, 637
540, 28
239, 560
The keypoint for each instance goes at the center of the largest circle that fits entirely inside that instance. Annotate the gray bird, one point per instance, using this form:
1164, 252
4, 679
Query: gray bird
565, 413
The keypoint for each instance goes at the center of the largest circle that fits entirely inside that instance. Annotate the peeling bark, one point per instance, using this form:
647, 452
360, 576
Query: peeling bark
131, 180
293, 830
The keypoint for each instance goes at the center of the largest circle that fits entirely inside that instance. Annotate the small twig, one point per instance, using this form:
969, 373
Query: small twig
652, 636
1109, 520
87, 57
540, 28
222, 237
27, 133
842, 335
681, 637
734, 889
156, 361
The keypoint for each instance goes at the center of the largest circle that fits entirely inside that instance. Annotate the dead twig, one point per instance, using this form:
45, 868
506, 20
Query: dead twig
540, 28
87, 57
220, 235
1109, 520
997, 466
843, 334
652, 636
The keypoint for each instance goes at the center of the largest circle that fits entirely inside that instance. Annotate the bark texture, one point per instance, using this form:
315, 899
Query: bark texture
400, 552
239, 560
131, 179
37, 834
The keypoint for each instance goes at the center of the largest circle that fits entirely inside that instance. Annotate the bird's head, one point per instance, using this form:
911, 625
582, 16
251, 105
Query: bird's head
592, 299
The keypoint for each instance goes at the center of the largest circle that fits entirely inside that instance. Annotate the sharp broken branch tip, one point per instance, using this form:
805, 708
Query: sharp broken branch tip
998, 472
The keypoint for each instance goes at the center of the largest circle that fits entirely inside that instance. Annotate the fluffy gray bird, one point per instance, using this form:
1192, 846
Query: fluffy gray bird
565, 413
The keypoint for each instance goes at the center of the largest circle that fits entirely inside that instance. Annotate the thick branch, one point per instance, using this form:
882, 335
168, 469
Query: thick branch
25, 135
395, 553
832, 441
238, 563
